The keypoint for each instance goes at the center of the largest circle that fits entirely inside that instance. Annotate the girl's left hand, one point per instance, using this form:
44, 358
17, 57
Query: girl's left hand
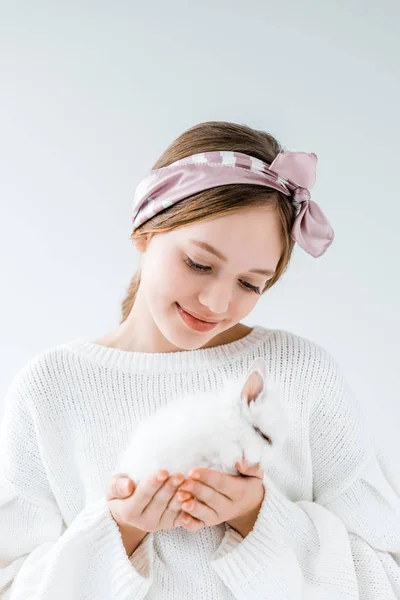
219, 497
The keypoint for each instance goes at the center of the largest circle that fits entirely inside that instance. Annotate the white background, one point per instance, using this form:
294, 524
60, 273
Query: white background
92, 93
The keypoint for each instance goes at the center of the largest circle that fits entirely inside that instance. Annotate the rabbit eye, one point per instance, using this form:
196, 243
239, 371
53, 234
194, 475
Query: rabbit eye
266, 438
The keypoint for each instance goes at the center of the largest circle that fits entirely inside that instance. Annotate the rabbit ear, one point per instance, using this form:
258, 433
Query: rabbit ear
255, 381
259, 365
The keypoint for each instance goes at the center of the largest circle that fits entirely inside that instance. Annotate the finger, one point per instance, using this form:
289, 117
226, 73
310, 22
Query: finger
175, 504
208, 496
176, 520
164, 494
182, 496
191, 524
182, 519
255, 472
173, 513
119, 486
201, 511
222, 482
250, 471
146, 489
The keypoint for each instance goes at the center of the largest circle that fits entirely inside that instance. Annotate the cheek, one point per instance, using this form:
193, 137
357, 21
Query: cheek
246, 301
176, 277
168, 278
243, 303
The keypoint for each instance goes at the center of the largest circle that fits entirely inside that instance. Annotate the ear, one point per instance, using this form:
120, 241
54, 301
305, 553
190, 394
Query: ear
255, 381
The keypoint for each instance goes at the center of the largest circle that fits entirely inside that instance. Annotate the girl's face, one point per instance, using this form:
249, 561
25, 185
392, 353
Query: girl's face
177, 270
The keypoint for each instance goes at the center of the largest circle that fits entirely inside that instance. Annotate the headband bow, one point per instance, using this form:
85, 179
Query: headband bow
292, 173
311, 229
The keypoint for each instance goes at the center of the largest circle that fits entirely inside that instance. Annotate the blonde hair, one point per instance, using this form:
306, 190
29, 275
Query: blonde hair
222, 200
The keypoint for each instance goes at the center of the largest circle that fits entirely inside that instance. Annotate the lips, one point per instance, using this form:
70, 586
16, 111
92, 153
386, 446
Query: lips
200, 318
193, 322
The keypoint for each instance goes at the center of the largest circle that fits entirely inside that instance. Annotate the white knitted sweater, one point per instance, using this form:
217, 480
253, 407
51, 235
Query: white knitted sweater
328, 528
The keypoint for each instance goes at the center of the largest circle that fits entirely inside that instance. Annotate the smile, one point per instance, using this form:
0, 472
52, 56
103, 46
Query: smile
194, 323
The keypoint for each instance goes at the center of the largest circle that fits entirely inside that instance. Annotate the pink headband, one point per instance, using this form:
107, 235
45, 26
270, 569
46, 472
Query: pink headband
292, 173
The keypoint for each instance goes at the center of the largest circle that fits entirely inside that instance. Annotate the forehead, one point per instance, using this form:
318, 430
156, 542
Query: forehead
245, 235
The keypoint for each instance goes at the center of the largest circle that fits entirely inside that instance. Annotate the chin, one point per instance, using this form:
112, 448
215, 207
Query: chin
184, 338
190, 340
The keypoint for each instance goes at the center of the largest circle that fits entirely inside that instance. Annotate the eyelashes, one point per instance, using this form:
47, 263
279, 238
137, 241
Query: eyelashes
205, 269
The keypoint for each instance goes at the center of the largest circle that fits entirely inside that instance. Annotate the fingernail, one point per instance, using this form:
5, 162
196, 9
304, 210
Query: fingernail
123, 487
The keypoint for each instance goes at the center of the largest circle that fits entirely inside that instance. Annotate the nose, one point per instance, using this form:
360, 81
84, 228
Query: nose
216, 296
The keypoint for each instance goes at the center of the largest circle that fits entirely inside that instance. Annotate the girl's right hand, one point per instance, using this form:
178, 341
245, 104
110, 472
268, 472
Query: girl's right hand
151, 506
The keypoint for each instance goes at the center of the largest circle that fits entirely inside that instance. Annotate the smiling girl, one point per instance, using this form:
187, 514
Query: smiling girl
215, 223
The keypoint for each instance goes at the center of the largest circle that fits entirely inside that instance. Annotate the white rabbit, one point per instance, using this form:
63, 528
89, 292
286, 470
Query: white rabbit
211, 430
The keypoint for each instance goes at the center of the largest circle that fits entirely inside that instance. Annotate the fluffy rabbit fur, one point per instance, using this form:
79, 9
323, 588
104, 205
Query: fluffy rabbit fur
211, 430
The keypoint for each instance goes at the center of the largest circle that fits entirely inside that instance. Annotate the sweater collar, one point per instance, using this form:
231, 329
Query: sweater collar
180, 361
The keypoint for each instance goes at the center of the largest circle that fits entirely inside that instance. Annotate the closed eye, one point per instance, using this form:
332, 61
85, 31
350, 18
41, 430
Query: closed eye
266, 438
206, 269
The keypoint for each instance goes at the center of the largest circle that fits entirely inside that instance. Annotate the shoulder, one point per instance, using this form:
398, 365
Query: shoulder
299, 353
306, 368
41, 376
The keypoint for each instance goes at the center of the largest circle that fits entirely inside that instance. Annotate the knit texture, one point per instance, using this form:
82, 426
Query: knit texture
328, 527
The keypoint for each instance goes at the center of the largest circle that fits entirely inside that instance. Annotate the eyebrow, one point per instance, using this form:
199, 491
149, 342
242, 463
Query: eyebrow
219, 255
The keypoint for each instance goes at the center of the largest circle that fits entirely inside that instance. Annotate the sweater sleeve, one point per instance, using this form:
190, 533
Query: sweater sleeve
40, 557
345, 544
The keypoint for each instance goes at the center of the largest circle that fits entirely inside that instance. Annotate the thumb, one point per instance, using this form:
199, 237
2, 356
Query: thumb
120, 486
250, 471
126, 486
